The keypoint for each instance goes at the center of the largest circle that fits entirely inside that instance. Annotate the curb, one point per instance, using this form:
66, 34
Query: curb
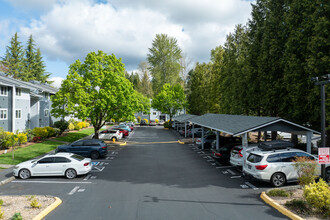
122, 144
50, 208
279, 208
7, 180
180, 142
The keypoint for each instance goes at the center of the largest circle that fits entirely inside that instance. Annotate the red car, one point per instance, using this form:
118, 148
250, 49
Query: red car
125, 132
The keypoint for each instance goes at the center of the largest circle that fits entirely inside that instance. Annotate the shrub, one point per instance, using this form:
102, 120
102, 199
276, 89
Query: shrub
40, 132
62, 125
50, 131
22, 138
17, 216
87, 124
36, 139
35, 204
139, 119
146, 120
77, 126
1, 213
301, 206
29, 134
80, 125
7, 139
167, 124
1, 202
278, 192
157, 121
306, 168
71, 126
57, 131
318, 195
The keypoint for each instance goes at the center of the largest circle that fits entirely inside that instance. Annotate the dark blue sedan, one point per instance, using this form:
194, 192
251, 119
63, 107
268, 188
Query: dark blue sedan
94, 148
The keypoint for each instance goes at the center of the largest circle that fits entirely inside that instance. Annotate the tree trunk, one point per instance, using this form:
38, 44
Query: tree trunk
259, 136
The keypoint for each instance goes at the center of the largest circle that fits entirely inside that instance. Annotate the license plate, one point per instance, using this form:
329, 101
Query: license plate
249, 166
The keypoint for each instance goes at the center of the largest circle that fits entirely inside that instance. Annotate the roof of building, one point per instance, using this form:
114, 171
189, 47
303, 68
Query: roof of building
240, 124
9, 81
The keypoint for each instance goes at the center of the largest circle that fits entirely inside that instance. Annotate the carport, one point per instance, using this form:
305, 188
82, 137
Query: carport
184, 118
240, 125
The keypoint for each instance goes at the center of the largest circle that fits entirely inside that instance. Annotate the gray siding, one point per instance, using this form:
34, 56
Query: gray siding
6, 104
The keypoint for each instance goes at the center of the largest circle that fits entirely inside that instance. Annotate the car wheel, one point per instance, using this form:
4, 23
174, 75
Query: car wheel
95, 155
24, 174
70, 173
327, 174
278, 179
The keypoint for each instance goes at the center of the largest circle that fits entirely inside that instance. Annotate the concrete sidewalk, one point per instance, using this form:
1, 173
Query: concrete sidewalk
6, 175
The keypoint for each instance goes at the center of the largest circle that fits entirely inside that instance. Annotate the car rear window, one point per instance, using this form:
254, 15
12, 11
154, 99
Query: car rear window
254, 158
77, 157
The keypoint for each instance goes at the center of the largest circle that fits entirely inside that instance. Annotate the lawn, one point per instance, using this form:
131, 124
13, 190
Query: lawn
73, 136
29, 152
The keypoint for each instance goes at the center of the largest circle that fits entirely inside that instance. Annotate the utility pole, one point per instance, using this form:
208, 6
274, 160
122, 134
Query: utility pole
322, 86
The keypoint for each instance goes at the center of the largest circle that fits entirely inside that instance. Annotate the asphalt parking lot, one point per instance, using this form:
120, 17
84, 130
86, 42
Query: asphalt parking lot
152, 177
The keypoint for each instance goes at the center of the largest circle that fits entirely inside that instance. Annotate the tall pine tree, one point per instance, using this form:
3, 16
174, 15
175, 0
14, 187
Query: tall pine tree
14, 59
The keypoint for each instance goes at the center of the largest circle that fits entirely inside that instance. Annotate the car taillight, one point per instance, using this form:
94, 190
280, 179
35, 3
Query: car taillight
86, 164
217, 154
261, 167
239, 153
105, 147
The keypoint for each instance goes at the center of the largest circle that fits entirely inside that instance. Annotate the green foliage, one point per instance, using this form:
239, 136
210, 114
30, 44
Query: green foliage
164, 61
1, 213
62, 125
7, 139
50, 131
139, 119
306, 170
278, 192
170, 99
96, 89
57, 132
71, 126
29, 134
167, 124
14, 59
318, 195
299, 205
145, 85
17, 216
77, 126
40, 132
35, 204
1, 202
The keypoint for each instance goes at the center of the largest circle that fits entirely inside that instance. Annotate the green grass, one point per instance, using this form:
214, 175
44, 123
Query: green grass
70, 137
278, 192
29, 152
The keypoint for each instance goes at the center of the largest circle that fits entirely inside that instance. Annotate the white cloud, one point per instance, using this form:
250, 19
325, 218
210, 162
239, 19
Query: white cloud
26, 5
126, 28
57, 81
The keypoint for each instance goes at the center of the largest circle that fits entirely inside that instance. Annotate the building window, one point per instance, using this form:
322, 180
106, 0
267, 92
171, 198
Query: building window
18, 92
46, 96
18, 113
3, 90
3, 114
154, 113
46, 112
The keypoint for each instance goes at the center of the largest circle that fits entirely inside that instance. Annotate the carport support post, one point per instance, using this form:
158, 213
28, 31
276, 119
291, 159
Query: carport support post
244, 144
192, 133
217, 146
185, 129
309, 141
202, 138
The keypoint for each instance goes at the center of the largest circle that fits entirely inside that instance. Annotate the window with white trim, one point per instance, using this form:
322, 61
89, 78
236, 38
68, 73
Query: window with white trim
18, 113
3, 114
46, 112
18, 92
3, 90
46, 95
154, 113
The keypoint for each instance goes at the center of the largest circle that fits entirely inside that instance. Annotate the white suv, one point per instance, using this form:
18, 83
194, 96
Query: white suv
275, 166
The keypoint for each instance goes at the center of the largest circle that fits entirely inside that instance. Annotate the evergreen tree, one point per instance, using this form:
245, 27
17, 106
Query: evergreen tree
145, 87
164, 60
14, 59
39, 72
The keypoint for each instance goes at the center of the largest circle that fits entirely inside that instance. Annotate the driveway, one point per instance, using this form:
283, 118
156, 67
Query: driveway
153, 177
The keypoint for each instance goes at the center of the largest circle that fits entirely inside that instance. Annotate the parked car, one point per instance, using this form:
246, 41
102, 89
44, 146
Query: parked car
130, 123
60, 164
143, 123
198, 136
125, 127
161, 122
124, 132
274, 163
236, 154
207, 139
93, 148
110, 135
223, 154
223, 140
152, 123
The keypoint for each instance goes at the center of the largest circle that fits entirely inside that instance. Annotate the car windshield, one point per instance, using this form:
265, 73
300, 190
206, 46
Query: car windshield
77, 157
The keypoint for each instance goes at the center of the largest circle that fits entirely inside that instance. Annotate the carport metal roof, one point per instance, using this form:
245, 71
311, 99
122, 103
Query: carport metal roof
184, 117
239, 124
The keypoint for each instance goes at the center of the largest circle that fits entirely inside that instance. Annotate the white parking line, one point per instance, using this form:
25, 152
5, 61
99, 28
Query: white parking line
101, 164
210, 160
234, 177
252, 186
99, 168
88, 176
81, 190
18, 181
231, 172
73, 190
224, 167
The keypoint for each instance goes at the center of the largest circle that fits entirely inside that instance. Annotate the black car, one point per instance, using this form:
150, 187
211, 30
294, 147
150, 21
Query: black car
93, 148
223, 154
143, 123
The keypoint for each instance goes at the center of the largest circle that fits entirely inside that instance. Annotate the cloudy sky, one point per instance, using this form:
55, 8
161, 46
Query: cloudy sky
66, 30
